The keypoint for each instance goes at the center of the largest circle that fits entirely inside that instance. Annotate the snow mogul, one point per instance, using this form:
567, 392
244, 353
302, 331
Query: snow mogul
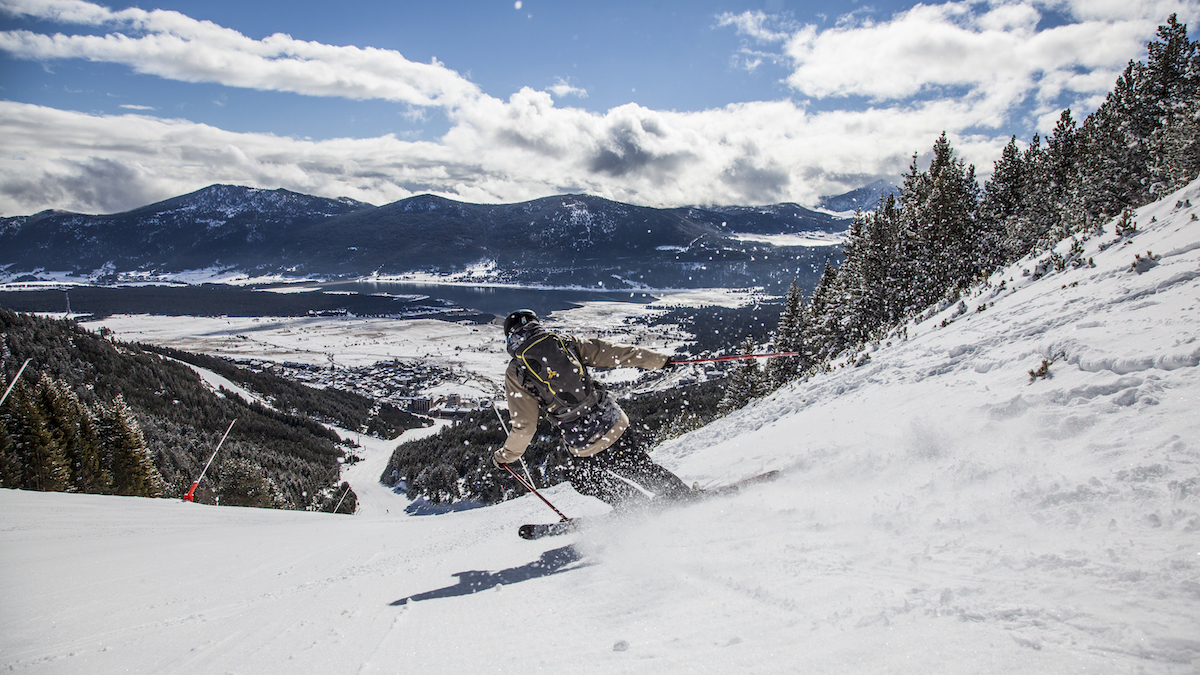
549, 372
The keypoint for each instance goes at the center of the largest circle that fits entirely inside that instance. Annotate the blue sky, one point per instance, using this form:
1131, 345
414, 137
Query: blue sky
107, 107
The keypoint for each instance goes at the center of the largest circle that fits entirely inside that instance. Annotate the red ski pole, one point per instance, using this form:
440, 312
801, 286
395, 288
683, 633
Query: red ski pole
736, 357
529, 486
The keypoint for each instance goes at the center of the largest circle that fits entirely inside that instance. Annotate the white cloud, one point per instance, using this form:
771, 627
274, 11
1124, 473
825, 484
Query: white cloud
997, 55
561, 88
760, 28
171, 45
132, 106
987, 55
758, 25
500, 151
1155, 11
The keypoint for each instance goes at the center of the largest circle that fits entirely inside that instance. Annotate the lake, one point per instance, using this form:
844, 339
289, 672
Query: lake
362, 298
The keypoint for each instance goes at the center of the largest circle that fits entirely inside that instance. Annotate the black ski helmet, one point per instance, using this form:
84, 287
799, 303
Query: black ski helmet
518, 320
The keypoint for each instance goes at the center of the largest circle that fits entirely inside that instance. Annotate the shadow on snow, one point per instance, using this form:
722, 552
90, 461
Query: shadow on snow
424, 507
551, 562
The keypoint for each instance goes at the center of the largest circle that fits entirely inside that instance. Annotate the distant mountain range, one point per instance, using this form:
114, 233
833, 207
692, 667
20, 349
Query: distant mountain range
563, 240
865, 198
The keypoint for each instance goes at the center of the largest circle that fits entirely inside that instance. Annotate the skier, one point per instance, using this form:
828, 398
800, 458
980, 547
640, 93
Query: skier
549, 372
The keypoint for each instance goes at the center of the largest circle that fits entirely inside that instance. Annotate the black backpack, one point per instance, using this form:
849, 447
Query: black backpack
552, 368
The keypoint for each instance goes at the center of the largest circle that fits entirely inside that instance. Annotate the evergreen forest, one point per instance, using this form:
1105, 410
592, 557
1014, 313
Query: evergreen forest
93, 415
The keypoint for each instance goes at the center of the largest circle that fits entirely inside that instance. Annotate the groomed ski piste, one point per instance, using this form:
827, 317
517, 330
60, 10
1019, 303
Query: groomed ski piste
938, 512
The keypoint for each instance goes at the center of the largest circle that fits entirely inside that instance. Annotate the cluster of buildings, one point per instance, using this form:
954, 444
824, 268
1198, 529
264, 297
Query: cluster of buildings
403, 384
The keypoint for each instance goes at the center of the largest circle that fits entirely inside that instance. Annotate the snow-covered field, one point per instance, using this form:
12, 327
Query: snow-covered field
938, 512
350, 341
474, 352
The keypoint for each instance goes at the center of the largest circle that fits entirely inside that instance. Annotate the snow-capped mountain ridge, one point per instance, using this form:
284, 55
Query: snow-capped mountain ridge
866, 198
578, 237
200, 230
230, 201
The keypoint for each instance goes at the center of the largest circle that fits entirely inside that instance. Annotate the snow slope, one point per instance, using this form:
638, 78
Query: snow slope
938, 512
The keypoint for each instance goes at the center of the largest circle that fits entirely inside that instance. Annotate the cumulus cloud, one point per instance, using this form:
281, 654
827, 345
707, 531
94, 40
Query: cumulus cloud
506, 151
561, 89
172, 45
990, 53
956, 67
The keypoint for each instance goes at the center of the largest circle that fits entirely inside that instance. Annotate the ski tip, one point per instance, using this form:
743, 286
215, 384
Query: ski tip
528, 532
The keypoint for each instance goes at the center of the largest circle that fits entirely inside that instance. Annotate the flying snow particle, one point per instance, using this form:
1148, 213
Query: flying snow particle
517, 4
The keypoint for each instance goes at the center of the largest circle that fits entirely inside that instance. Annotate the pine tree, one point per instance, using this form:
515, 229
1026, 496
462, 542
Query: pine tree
1063, 175
1025, 226
875, 276
245, 483
825, 334
126, 454
1170, 69
1052, 201
1173, 85
437, 483
1116, 151
939, 224
1002, 206
86, 456
38, 460
747, 382
9, 469
70, 425
789, 337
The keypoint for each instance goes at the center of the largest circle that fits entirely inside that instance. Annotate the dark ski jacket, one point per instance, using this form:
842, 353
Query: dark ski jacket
599, 425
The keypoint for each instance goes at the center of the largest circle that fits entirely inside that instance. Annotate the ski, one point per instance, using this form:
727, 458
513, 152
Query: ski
736, 485
539, 530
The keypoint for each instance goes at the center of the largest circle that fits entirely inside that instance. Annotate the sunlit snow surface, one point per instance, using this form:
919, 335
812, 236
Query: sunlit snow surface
938, 513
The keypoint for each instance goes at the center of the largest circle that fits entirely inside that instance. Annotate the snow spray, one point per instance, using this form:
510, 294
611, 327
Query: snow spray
737, 357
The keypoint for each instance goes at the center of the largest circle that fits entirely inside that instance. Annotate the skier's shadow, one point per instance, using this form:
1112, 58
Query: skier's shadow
551, 562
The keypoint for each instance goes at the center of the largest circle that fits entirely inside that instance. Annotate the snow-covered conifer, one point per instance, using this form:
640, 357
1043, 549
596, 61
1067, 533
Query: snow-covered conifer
126, 454
243, 482
1173, 84
71, 426
1002, 204
747, 382
437, 483
38, 461
789, 337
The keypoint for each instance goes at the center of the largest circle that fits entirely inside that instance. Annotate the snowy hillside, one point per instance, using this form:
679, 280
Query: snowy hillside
941, 510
